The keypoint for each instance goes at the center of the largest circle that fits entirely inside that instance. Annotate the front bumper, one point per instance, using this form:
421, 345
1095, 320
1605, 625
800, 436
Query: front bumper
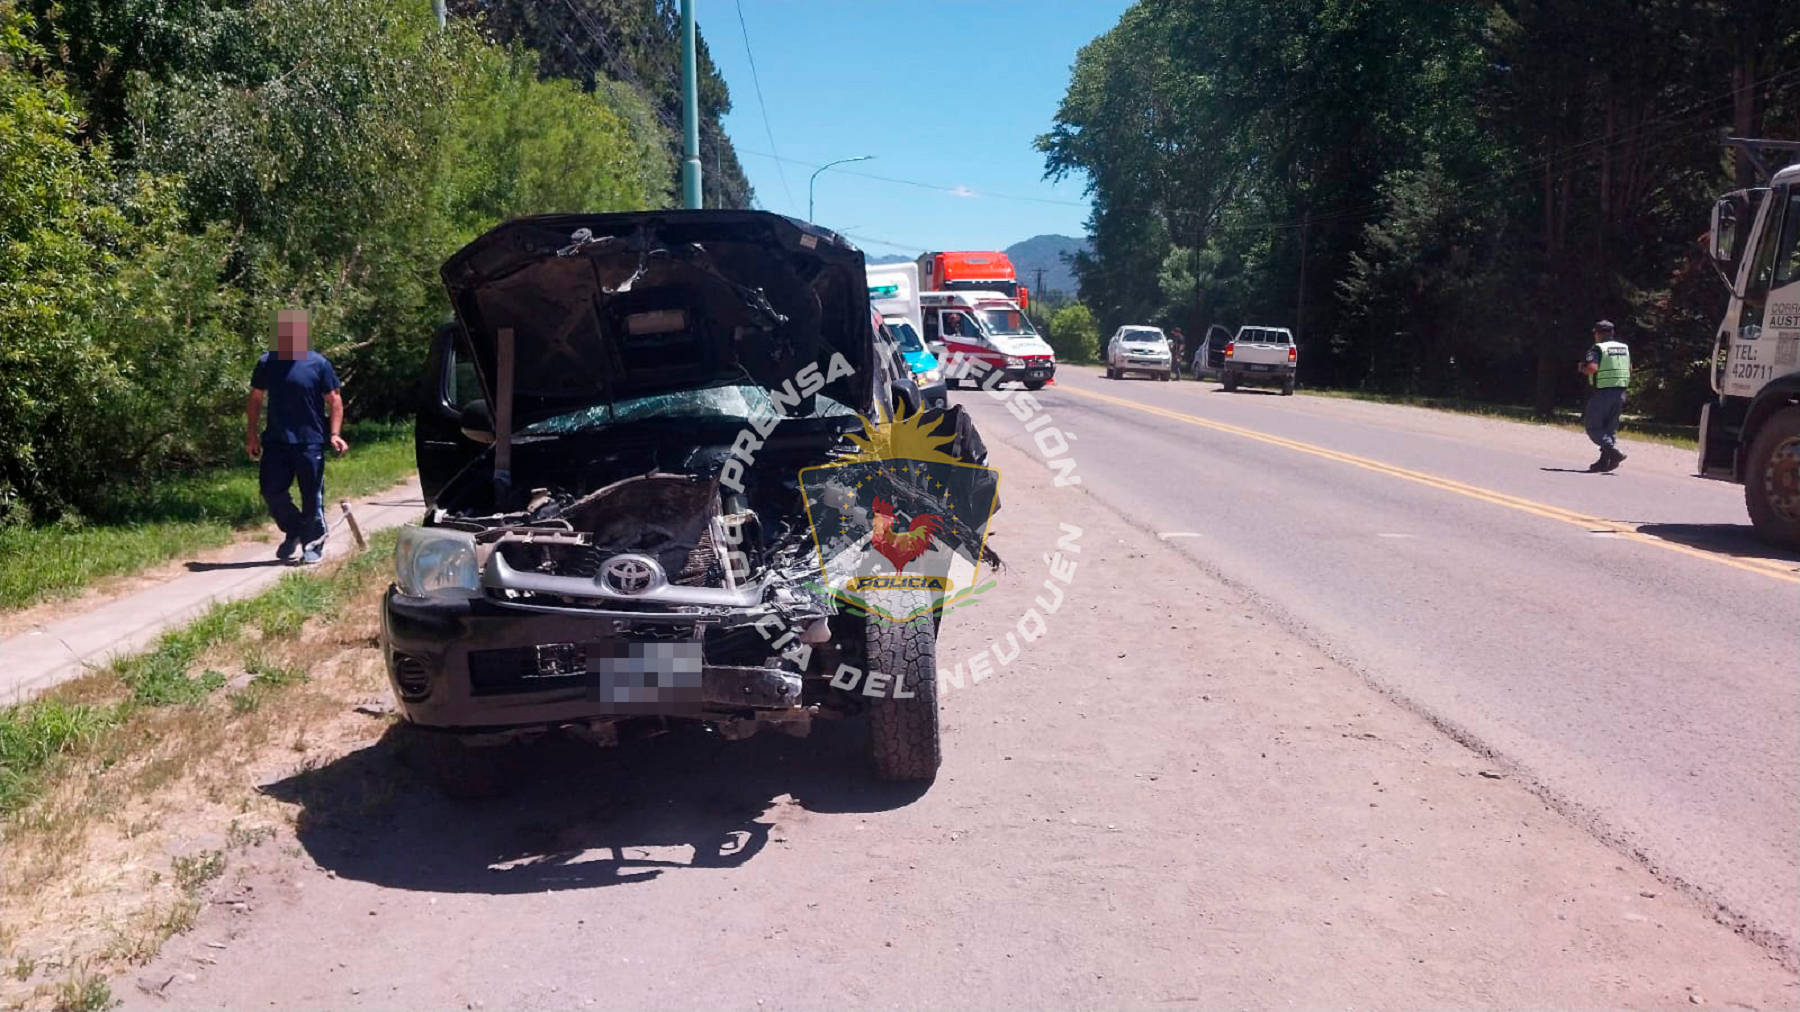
469, 663
1030, 373
1144, 365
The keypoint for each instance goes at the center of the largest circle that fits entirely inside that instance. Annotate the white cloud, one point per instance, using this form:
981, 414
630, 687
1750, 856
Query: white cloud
963, 191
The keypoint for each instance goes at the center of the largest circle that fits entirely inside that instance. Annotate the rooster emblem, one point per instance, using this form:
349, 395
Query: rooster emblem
902, 546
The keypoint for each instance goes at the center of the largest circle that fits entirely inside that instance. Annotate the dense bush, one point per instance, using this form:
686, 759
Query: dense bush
1073, 335
172, 173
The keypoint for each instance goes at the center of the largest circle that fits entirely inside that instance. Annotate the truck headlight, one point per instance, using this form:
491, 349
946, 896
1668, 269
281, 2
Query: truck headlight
1014, 363
932, 375
431, 558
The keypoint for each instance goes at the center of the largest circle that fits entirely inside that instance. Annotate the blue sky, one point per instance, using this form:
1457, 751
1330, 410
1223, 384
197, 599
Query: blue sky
946, 94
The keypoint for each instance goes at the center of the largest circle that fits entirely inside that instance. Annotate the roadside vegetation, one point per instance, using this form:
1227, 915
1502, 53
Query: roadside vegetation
172, 173
164, 520
1439, 199
99, 873
1667, 433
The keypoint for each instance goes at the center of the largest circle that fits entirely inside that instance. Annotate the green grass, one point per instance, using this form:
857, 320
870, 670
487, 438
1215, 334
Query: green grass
179, 517
36, 736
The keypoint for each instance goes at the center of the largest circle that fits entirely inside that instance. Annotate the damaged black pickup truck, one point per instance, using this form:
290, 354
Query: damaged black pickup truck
611, 444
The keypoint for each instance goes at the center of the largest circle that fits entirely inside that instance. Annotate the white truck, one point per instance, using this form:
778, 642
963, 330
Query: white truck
1138, 349
1261, 356
1750, 432
903, 300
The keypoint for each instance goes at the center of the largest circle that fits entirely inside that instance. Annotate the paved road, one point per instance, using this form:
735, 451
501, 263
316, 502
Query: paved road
1165, 800
1618, 639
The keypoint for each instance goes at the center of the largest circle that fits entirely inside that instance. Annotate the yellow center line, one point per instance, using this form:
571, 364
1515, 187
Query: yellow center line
1762, 567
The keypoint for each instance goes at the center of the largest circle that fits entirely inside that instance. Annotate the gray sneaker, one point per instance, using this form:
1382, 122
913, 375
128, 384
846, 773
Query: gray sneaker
289, 545
313, 555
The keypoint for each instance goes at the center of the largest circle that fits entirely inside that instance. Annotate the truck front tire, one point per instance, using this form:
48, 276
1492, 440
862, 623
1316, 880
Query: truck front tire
904, 740
1772, 479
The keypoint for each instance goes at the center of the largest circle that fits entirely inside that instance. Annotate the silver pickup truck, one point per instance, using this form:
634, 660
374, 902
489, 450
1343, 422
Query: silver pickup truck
1261, 356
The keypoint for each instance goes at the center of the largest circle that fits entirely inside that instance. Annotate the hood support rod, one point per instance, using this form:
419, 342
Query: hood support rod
503, 394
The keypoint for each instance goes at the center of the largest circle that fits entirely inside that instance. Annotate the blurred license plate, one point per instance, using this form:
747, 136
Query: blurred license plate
1260, 368
655, 676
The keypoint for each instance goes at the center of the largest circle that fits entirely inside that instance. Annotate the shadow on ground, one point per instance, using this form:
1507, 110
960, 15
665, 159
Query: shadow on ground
1736, 540
580, 816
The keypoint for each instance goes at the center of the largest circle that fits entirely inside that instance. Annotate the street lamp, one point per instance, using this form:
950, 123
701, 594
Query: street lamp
815, 176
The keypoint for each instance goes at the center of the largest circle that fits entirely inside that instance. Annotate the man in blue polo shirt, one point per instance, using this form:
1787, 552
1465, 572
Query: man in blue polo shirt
305, 411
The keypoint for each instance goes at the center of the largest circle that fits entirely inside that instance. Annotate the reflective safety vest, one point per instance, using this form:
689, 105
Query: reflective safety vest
1615, 365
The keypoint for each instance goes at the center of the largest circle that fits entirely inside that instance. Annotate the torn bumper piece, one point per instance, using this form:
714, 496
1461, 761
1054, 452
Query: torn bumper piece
469, 663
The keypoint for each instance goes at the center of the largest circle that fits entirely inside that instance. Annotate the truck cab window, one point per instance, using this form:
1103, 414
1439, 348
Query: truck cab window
1787, 260
1762, 268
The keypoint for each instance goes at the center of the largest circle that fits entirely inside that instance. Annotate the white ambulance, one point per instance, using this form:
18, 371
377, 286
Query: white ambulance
990, 328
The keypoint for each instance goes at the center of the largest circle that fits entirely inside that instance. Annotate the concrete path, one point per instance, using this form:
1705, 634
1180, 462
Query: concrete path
44, 655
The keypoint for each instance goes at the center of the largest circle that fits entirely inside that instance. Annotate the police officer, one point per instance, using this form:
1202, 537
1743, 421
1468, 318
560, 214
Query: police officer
1607, 366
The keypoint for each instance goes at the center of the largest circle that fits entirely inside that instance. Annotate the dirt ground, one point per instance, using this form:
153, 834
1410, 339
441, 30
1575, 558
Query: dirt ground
1166, 800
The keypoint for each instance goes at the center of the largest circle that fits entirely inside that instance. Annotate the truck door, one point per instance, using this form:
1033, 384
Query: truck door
962, 337
1764, 338
450, 386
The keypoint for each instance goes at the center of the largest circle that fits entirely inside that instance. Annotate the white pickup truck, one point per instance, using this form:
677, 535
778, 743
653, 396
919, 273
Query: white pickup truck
1261, 356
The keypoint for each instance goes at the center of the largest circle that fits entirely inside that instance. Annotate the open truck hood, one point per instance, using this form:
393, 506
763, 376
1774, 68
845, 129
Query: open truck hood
604, 308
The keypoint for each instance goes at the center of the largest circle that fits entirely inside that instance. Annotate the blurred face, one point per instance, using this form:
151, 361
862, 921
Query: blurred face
1602, 335
290, 334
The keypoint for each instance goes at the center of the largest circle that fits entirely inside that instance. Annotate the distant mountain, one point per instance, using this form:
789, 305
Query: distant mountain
1047, 252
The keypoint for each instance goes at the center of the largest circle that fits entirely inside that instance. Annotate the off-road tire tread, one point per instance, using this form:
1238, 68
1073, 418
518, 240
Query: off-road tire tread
905, 743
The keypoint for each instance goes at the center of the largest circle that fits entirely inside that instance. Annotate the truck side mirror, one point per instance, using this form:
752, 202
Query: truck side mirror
1727, 217
905, 396
477, 422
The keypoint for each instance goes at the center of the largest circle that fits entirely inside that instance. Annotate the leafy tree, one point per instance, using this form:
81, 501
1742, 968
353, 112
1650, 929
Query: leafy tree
216, 160
1414, 185
1073, 335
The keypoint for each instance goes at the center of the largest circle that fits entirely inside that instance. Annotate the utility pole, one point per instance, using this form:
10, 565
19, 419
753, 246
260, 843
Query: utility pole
690, 111
1039, 290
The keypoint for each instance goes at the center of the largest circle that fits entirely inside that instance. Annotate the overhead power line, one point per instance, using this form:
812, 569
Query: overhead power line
757, 82
940, 187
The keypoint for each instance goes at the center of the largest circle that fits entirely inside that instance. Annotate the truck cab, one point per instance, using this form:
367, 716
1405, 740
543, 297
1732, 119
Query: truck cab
989, 328
973, 272
1750, 432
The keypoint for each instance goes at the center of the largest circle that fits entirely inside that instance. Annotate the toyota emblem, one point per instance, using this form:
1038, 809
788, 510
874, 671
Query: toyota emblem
630, 574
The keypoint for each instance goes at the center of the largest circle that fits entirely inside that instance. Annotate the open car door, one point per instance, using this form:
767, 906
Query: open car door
450, 392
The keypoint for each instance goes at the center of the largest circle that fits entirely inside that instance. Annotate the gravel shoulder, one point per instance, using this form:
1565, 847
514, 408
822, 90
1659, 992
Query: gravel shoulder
1167, 799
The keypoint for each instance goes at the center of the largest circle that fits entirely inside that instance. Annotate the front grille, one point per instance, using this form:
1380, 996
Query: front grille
696, 567
410, 676
556, 558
